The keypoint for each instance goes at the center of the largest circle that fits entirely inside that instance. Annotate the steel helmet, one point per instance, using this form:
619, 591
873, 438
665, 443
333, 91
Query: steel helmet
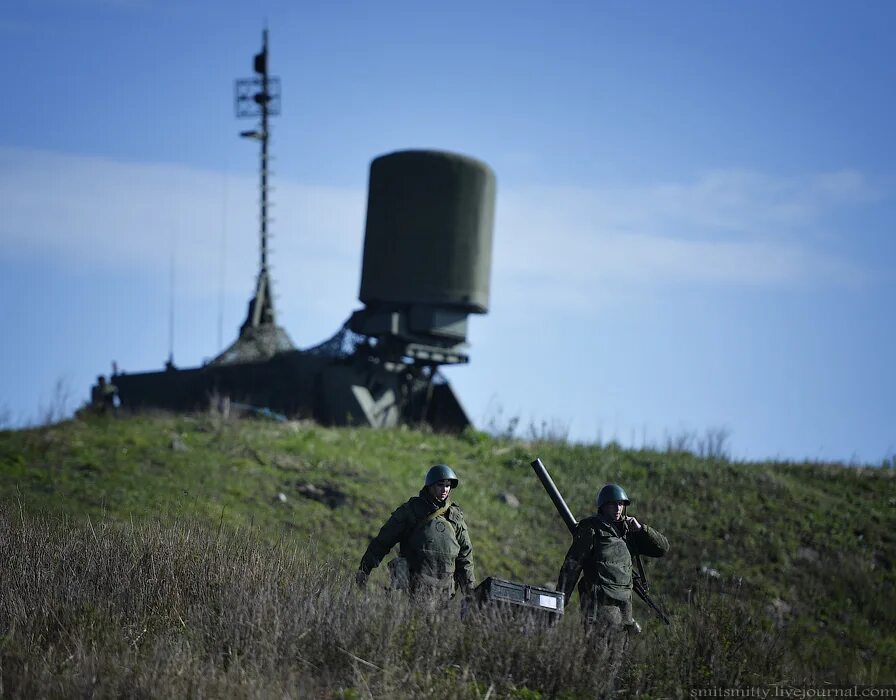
611, 493
439, 472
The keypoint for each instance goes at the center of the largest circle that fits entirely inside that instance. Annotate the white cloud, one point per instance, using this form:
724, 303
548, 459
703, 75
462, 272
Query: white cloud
574, 247
101, 215
554, 247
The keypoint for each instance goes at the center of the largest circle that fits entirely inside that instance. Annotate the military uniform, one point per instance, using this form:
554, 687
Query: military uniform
601, 553
433, 538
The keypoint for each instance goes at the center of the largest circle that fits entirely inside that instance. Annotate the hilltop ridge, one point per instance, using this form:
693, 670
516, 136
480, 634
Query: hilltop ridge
809, 548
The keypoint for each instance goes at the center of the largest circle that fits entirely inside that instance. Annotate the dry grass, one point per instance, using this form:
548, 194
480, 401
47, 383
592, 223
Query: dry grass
149, 610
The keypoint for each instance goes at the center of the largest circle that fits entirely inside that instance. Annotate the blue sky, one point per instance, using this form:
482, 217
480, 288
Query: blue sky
694, 218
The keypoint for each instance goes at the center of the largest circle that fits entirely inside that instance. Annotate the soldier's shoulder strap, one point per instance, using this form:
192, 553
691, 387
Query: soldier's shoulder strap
586, 534
592, 522
438, 512
413, 521
417, 519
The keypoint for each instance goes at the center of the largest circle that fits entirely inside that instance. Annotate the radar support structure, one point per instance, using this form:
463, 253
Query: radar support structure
426, 268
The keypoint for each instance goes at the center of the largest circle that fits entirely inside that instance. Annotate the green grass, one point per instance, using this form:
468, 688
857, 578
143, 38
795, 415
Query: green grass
819, 538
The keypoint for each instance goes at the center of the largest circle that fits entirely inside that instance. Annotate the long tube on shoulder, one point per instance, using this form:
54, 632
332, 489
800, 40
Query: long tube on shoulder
549, 486
640, 580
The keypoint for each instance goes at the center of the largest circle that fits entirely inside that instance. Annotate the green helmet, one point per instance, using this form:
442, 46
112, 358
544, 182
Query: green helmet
611, 493
439, 472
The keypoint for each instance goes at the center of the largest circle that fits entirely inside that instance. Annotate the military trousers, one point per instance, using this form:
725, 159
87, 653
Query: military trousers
603, 611
429, 591
607, 621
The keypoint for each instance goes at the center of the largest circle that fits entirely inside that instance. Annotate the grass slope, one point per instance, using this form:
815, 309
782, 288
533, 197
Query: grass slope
796, 558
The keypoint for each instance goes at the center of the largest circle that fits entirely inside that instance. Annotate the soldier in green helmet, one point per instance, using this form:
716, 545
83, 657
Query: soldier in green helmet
601, 554
435, 556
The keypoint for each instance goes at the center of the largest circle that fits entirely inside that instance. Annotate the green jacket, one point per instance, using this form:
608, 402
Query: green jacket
436, 549
602, 554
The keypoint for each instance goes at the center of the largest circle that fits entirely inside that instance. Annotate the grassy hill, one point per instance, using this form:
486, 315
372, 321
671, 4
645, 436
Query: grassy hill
778, 573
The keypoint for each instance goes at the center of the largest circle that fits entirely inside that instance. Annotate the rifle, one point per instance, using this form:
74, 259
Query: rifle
639, 583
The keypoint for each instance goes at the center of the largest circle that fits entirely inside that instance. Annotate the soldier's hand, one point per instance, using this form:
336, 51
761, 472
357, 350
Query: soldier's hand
361, 579
634, 524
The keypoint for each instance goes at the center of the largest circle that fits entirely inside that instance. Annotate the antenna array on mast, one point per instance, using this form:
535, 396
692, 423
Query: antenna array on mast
260, 337
259, 96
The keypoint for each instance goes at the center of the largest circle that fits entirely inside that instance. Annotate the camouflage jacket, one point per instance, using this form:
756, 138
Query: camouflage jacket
438, 548
602, 554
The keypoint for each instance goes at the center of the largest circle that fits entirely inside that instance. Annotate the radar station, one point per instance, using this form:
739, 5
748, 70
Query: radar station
426, 267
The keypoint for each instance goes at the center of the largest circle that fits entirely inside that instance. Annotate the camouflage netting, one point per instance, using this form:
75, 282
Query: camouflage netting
260, 336
255, 344
343, 344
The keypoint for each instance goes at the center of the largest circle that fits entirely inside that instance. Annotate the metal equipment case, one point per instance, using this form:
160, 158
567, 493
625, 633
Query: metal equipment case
496, 591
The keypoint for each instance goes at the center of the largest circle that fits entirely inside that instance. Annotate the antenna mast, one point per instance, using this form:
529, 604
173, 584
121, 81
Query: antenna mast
170, 362
260, 337
259, 96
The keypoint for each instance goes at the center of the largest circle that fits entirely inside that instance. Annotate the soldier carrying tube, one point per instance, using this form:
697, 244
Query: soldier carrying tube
600, 560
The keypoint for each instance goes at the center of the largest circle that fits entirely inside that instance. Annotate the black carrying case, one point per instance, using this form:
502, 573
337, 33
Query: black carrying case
496, 591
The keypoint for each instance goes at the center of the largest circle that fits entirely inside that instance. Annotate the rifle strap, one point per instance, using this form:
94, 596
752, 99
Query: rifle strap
422, 521
435, 514
644, 582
